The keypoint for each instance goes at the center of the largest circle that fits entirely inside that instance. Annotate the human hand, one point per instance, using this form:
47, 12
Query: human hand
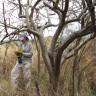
18, 53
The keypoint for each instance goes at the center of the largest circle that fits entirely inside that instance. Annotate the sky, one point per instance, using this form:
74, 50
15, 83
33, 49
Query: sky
50, 32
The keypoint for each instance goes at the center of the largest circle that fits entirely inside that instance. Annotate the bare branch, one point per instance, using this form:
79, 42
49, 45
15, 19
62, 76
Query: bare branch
91, 10
20, 10
33, 32
49, 25
79, 16
53, 9
73, 36
9, 26
78, 48
66, 7
4, 20
60, 27
32, 9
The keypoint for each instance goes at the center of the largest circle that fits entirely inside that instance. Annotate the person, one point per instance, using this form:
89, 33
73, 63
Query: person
24, 61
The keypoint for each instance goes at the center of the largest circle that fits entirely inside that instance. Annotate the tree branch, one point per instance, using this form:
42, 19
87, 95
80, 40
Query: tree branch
78, 48
53, 9
33, 32
5, 25
91, 10
49, 25
73, 36
32, 9
20, 10
60, 27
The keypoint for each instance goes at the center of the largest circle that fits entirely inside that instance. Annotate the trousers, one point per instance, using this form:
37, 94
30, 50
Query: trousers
23, 70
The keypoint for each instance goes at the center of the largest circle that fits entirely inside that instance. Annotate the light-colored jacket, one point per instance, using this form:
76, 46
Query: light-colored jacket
27, 52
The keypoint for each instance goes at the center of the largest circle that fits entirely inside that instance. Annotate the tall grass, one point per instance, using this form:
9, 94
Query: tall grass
8, 60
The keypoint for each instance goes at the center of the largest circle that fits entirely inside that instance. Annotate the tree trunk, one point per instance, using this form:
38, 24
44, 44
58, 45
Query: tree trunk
53, 85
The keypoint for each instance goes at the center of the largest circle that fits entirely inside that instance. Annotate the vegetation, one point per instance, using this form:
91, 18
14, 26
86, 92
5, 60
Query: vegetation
87, 74
65, 61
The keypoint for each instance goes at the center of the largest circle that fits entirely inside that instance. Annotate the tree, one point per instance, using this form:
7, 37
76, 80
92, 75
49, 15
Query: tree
36, 17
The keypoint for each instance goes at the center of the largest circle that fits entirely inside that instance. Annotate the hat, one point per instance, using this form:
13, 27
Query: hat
23, 37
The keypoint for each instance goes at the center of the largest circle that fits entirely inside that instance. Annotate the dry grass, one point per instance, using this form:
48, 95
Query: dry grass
88, 75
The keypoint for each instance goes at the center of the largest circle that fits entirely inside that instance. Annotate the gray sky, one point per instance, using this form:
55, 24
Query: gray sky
15, 21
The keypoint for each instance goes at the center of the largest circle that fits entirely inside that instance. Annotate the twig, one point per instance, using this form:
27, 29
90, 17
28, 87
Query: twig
5, 20
78, 48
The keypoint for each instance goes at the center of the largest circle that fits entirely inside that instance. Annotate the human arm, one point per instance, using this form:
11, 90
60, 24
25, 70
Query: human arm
28, 51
